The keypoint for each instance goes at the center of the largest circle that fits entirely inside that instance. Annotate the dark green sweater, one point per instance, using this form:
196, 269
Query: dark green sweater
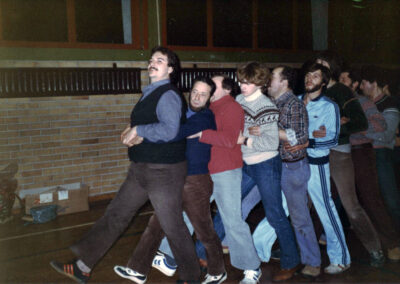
349, 107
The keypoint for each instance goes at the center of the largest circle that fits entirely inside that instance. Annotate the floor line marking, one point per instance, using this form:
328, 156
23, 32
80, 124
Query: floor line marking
59, 229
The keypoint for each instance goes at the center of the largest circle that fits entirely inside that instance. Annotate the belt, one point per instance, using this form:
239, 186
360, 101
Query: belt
362, 146
293, 161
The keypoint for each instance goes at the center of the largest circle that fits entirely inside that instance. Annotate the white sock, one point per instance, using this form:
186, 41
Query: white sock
82, 266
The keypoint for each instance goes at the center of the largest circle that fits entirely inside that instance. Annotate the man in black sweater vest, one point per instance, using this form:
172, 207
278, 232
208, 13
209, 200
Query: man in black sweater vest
157, 172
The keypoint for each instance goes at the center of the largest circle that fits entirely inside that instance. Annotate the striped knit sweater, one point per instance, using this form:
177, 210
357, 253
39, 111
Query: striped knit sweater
376, 122
260, 111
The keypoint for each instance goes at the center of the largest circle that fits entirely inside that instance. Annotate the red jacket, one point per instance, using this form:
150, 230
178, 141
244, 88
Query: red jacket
225, 152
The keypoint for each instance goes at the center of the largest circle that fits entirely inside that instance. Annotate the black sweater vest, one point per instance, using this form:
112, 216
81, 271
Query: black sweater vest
145, 113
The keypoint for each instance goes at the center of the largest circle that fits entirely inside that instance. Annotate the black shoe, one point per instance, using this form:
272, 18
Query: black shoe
377, 258
71, 270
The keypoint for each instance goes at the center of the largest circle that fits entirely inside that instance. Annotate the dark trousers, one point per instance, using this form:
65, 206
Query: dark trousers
342, 173
162, 184
387, 182
196, 203
370, 197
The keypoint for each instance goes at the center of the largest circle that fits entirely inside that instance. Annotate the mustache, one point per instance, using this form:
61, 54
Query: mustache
152, 68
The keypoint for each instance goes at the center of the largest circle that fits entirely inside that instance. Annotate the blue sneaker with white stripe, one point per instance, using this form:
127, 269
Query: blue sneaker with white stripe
160, 263
251, 276
126, 272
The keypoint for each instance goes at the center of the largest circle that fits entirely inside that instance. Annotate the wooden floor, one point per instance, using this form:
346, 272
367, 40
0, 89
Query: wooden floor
26, 250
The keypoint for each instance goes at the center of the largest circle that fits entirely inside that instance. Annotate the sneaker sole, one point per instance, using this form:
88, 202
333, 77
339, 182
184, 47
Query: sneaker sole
167, 273
132, 278
59, 270
338, 272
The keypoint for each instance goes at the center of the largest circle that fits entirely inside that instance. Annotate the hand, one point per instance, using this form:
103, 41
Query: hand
344, 120
294, 148
129, 137
136, 141
254, 130
319, 133
124, 133
240, 138
198, 134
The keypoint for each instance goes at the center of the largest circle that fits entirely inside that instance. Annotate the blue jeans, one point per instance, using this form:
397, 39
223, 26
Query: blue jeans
267, 176
227, 194
294, 184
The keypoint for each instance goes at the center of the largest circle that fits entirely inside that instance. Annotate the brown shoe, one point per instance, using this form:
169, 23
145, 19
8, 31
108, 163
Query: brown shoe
285, 274
311, 271
394, 254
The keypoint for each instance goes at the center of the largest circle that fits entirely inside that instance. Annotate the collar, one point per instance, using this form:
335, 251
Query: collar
153, 86
283, 97
379, 97
253, 96
315, 99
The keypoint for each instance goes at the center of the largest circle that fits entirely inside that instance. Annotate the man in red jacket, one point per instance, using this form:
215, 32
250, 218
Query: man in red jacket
226, 172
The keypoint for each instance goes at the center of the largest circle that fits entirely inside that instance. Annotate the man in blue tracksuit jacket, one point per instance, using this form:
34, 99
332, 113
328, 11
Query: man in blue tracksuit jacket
323, 130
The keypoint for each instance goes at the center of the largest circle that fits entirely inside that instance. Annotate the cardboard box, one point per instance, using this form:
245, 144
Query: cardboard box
70, 198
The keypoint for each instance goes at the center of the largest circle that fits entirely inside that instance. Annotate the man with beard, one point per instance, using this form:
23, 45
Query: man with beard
352, 121
323, 131
157, 173
196, 192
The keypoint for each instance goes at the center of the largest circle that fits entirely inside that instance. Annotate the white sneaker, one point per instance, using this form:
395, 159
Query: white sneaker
126, 272
215, 279
160, 263
251, 276
336, 268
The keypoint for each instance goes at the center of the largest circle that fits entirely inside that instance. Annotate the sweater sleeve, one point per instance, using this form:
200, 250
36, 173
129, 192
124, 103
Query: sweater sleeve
358, 122
392, 118
227, 134
196, 123
169, 110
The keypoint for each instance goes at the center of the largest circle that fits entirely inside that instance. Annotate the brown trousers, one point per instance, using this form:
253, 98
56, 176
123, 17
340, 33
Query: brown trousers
370, 197
163, 185
196, 203
342, 173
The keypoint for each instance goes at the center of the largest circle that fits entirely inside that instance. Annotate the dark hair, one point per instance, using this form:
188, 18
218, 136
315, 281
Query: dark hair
228, 84
334, 60
207, 81
372, 74
325, 72
173, 61
289, 74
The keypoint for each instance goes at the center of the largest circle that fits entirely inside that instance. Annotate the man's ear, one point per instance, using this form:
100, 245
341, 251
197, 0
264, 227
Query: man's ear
170, 70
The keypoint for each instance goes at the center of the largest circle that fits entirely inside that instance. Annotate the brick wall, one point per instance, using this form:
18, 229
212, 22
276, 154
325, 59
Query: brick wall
60, 140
